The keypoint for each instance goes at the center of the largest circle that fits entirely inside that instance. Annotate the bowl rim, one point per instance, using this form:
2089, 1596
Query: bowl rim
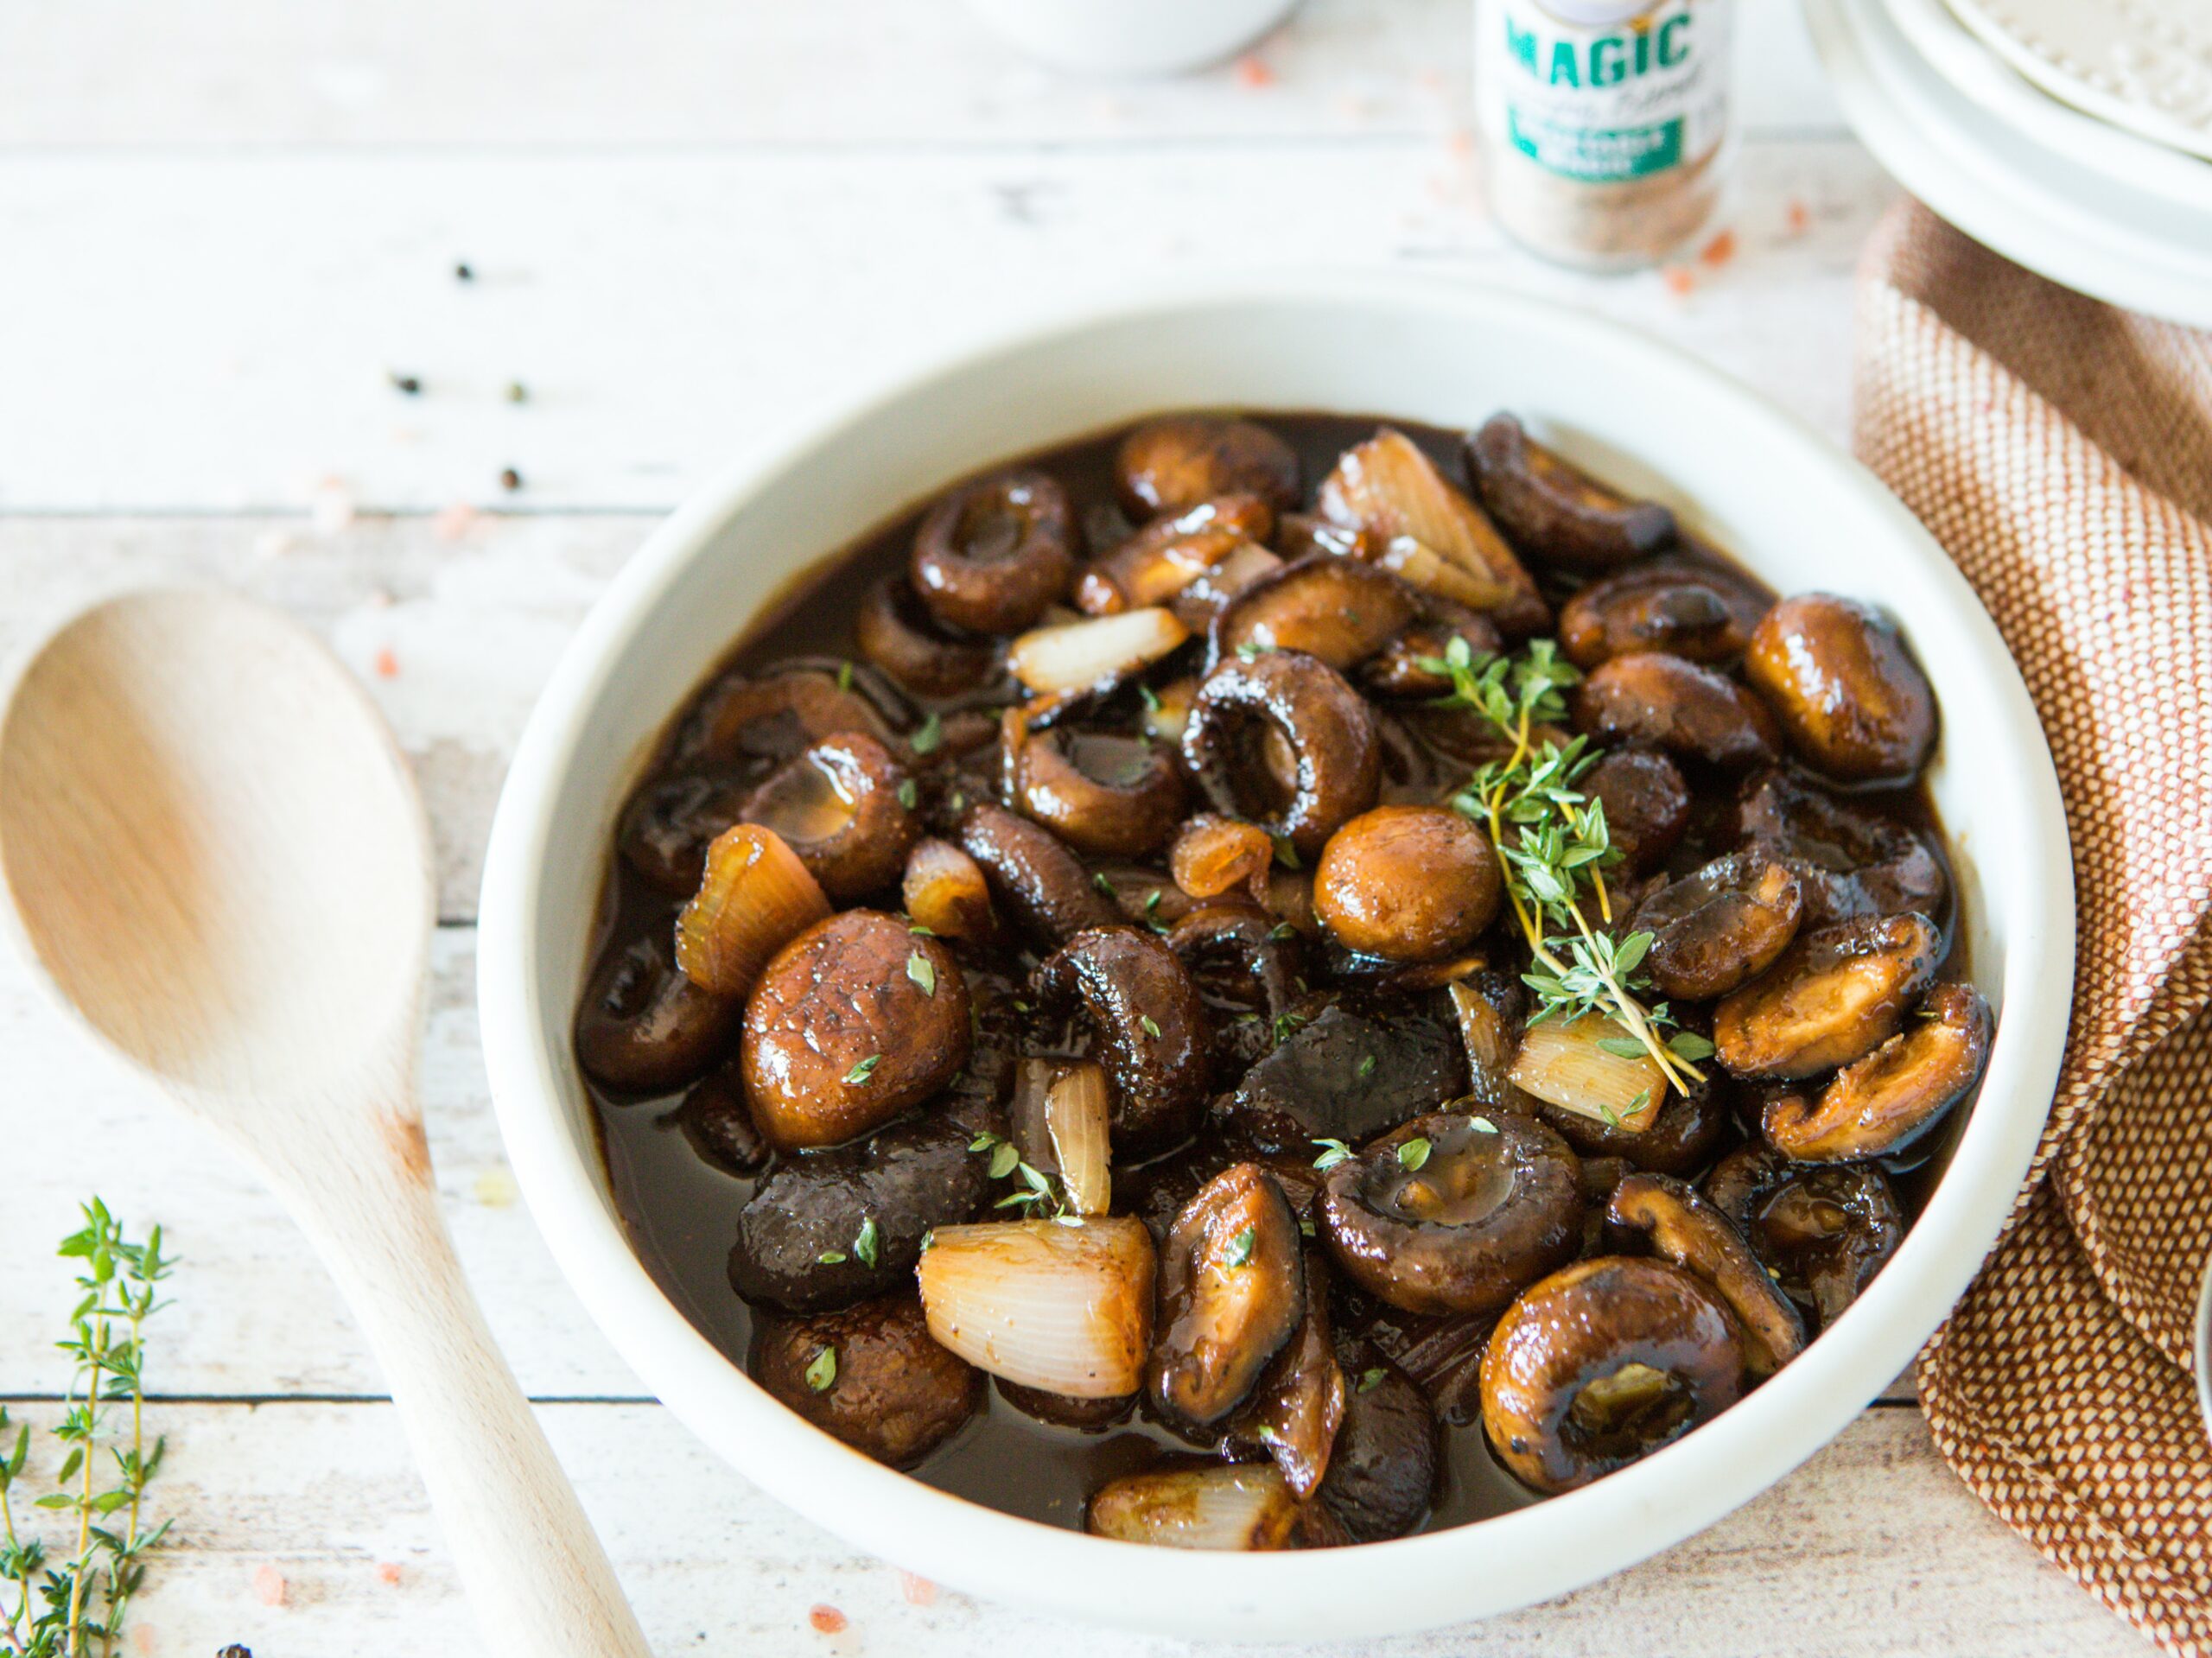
1426, 1579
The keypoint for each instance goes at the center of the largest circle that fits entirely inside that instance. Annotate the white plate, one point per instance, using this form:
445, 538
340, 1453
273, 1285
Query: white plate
1801, 514
2143, 65
2037, 207
2128, 160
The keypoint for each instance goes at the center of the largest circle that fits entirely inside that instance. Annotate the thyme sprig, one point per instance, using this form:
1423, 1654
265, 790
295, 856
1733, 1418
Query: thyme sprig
74, 1607
1036, 1194
1558, 852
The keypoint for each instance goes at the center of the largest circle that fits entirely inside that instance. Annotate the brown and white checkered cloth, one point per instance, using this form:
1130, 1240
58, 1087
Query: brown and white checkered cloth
2062, 451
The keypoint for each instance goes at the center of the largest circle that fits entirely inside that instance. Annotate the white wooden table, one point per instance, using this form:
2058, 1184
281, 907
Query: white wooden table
225, 227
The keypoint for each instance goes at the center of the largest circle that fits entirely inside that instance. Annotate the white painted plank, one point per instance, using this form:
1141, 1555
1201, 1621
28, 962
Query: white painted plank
841, 73
1872, 1548
217, 334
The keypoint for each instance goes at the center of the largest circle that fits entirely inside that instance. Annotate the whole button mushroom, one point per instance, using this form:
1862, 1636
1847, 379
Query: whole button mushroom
1720, 926
1179, 461
837, 806
644, 1027
854, 1021
990, 556
869, 1375
1284, 742
1383, 1470
1822, 1230
1148, 1026
1699, 612
1852, 701
1556, 510
1407, 883
1232, 1290
1647, 804
1683, 706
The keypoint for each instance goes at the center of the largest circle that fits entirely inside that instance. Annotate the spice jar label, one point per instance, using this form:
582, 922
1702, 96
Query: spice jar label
1602, 93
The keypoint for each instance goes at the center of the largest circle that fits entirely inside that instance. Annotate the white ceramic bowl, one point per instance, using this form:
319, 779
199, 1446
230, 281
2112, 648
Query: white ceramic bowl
1799, 513
1131, 37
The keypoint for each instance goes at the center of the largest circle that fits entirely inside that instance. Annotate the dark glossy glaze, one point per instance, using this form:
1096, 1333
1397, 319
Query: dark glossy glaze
680, 1208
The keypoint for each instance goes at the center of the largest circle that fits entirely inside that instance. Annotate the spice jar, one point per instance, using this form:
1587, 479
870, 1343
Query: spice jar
1605, 132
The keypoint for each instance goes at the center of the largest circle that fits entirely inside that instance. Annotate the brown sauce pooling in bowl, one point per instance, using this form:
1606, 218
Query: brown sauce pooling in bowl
680, 1209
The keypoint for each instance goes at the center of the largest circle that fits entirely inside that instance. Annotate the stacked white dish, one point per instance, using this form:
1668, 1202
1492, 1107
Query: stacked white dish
2097, 172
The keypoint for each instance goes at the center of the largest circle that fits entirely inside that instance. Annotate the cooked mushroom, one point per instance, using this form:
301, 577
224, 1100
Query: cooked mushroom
854, 1021
1112, 796
1283, 742
1383, 1471
1885, 1101
1165, 557
831, 1227
1554, 508
1298, 1405
1033, 878
1407, 883
645, 1028
896, 631
1148, 1027
1687, 1229
668, 824
1174, 462
1603, 1362
1679, 706
1412, 664
1090, 1415
1242, 1507
1240, 955
1834, 995
1647, 804
1338, 609
1854, 702
992, 554
1432, 536
1491, 1007
870, 1376
1453, 1213
837, 806
1851, 860
1212, 592
1823, 1231
1702, 612
1720, 926
716, 1121
1064, 1307
774, 717
1342, 1074
1232, 1289
944, 890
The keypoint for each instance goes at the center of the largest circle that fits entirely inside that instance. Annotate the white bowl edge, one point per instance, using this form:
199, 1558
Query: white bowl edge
1439, 1577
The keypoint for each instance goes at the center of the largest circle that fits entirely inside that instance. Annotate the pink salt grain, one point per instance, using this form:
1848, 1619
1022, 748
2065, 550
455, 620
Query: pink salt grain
827, 1620
388, 1571
919, 1591
268, 1585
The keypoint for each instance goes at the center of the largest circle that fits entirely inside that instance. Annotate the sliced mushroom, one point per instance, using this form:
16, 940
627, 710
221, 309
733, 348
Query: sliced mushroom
991, 555
1720, 926
1383, 1473
1682, 707
1298, 1404
1554, 508
1835, 995
1852, 860
1147, 1025
1338, 609
1453, 1213
1165, 557
1243, 1507
1033, 878
837, 806
1283, 742
1111, 796
896, 631
1647, 804
1178, 461
944, 890
854, 1021
870, 1376
774, 717
1602, 1363
1700, 613
1687, 1229
1407, 883
1432, 535
1232, 1290
1885, 1101
1854, 702
1197, 604
1822, 1230
644, 1027
832, 1228
669, 824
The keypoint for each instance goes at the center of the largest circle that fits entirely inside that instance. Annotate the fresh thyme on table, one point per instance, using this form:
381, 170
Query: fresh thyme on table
73, 1606
1560, 850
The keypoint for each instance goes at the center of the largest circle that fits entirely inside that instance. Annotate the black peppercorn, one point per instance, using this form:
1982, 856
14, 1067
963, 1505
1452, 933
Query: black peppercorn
407, 382
510, 479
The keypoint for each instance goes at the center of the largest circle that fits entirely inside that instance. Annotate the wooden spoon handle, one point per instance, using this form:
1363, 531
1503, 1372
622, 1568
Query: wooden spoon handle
539, 1582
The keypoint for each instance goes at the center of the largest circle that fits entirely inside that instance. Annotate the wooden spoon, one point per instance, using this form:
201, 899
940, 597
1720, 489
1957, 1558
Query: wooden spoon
216, 853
